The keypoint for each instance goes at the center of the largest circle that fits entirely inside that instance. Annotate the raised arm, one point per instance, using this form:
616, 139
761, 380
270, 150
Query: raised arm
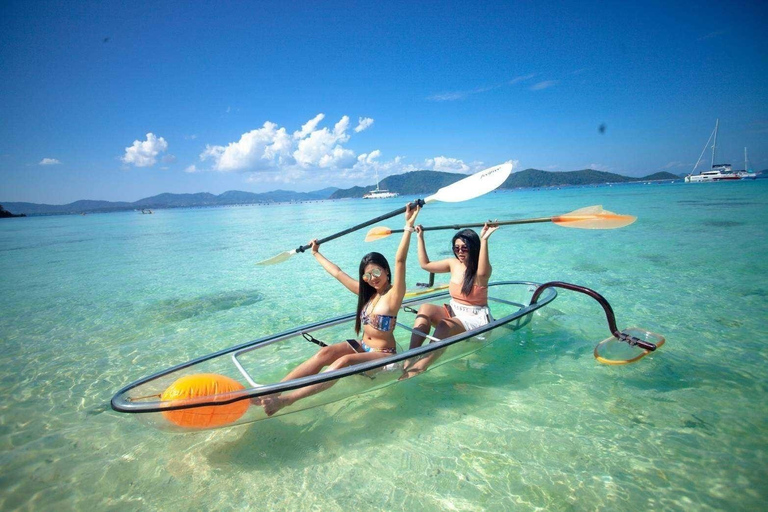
484, 268
333, 269
398, 281
435, 267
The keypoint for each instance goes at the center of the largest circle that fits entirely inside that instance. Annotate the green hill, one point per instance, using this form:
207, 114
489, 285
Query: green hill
411, 183
167, 200
427, 182
5, 214
536, 178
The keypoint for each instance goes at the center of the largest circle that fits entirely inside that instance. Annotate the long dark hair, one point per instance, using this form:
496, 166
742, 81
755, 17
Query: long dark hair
472, 241
367, 291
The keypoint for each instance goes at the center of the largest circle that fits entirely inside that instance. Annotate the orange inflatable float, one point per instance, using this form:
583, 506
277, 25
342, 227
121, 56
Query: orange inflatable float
202, 385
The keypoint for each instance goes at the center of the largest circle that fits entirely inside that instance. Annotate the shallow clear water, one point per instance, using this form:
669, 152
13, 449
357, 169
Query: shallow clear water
531, 422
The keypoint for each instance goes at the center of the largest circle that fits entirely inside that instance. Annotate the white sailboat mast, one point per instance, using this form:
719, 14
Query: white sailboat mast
704, 150
714, 144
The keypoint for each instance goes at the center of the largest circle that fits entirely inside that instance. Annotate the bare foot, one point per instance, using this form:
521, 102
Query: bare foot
410, 372
260, 400
273, 403
416, 368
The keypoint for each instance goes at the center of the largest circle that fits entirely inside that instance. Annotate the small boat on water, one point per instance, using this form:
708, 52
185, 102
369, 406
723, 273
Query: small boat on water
223, 389
254, 369
718, 172
747, 173
241, 384
378, 193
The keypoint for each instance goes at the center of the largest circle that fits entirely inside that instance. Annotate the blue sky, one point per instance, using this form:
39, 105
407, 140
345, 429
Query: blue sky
120, 101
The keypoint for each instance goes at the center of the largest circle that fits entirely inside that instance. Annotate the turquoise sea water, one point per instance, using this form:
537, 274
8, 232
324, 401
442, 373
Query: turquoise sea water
94, 302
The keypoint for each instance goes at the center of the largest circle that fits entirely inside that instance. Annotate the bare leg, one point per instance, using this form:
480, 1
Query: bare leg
445, 329
313, 365
428, 315
274, 403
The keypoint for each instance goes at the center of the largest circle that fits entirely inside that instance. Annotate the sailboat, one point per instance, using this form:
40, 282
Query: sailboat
718, 172
378, 193
747, 173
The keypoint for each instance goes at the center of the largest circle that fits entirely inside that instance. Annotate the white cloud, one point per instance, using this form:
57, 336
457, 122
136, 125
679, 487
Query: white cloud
544, 85
368, 165
523, 78
314, 156
283, 176
308, 127
271, 148
448, 96
363, 123
599, 167
369, 158
144, 154
713, 35
259, 149
49, 161
322, 148
338, 157
445, 164
460, 95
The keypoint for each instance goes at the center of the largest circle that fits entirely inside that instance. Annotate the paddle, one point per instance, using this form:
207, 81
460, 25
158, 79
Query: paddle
463, 190
591, 217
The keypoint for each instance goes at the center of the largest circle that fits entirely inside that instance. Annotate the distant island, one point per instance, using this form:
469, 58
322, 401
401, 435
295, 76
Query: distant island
167, 200
426, 182
5, 214
411, 183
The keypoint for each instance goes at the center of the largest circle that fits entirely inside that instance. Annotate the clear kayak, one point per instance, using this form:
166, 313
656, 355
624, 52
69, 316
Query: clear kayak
223, 389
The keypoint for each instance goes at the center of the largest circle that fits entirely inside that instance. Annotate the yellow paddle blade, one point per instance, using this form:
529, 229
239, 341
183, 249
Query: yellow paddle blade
613, 351
593, 217
424, 291
274, 260
377, 233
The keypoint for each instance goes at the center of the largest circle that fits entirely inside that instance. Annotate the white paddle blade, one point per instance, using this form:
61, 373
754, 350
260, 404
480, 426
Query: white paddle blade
473, 186
277, 259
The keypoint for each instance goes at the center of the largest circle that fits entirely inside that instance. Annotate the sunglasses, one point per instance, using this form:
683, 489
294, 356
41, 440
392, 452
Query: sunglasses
373, 273
460, 248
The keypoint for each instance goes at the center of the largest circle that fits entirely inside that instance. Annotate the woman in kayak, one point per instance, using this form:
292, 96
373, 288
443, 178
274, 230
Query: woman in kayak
470, 270
379, 296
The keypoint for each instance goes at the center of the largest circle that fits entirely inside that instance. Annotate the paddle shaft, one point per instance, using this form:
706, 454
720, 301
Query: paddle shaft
418, 202
463, 226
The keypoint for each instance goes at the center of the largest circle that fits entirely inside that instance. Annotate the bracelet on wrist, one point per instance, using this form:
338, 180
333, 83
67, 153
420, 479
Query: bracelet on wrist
408, 228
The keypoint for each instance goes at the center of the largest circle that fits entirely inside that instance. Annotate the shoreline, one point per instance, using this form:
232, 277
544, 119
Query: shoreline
282, 203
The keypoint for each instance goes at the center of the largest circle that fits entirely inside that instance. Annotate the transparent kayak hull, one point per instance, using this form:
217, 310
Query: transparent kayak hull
254, 369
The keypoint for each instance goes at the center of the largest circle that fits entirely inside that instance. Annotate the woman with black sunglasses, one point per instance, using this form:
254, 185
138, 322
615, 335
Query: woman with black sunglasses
379, 298
470, 270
